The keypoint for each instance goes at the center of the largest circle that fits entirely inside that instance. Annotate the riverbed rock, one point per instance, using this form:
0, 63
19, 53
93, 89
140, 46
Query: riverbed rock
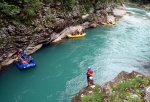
68, 30
85, 16
32, 48
85, 25
93, 25
7, 62
120, 11
120, 77
111, 18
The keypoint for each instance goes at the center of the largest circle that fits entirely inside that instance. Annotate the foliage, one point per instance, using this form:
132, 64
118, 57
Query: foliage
148, 5
95, 97
25, 11
19, 10
125, 89
9, 9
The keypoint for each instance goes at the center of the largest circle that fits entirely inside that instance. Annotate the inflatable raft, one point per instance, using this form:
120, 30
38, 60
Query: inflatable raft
106, 23
76, 35
25, 65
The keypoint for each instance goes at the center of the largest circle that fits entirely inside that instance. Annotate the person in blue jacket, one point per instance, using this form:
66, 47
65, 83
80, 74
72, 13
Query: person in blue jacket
30, 59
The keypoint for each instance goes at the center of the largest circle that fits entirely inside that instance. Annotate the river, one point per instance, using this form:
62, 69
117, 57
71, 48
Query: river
61, 67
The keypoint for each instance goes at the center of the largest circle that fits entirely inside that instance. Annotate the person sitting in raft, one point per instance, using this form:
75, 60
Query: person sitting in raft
81, 32
77, 32
16, 59
90, 81
30, 59
19, 53
73, 33
104, 21
24, 62
110, 22
89, 73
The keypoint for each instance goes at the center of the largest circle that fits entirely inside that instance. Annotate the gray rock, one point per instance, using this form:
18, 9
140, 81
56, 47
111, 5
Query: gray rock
119, 12
91, 10
147, 92
10, 54
93, 25
31, 48
76, 11
85, 16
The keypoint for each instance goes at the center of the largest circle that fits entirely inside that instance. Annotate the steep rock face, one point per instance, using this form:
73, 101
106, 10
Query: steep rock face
106, 87
48, 27
120, 77
85, 91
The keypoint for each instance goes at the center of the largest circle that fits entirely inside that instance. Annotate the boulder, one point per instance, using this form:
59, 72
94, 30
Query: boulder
7, 62
111, 18
86, 24
85, 16
66, 31
93, 25
119, 12
32, 48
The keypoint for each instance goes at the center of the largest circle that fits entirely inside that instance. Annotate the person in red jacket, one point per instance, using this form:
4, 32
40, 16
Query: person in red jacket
89, 73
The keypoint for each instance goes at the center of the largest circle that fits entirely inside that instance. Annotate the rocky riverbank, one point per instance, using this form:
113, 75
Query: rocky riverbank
138, 5
51, 25
126, 87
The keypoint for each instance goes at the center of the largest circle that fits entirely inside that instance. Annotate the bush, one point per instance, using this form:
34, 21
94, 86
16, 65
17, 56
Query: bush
19, 10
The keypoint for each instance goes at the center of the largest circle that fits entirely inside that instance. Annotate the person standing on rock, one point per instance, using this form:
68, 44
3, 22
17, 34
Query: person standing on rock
89, 73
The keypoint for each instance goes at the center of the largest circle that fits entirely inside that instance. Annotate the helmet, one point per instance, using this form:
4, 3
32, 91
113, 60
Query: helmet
91, 78
89, 68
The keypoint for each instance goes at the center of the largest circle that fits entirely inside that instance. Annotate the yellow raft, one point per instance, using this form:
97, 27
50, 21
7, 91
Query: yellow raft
76, 35
104, 23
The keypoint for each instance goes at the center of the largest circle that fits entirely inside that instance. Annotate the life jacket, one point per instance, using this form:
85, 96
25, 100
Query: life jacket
24, 62
89, 73
17, 59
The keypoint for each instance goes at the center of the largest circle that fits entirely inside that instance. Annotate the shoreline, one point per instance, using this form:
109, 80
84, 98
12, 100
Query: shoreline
58, 37
107, 88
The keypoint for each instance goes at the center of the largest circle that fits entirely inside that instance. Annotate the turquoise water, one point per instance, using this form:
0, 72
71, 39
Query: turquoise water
61, 67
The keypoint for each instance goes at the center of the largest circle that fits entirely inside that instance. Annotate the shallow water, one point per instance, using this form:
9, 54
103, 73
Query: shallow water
60, 71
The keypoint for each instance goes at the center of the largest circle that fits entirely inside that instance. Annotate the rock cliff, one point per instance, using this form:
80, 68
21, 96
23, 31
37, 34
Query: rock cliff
126, 87
51, 25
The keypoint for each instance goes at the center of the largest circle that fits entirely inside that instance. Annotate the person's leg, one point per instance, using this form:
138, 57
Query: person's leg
88, 79
92, 82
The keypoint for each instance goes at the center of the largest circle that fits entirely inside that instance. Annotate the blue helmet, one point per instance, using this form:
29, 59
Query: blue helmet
89, 68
